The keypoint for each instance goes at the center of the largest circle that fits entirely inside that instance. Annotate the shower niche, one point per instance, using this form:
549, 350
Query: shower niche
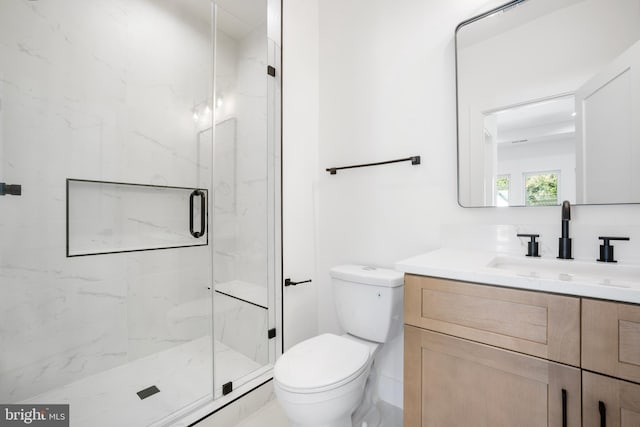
113, 217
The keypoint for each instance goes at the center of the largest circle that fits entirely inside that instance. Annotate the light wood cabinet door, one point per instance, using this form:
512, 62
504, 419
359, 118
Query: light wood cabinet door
535, 323
613, 401
611, 338
452, 382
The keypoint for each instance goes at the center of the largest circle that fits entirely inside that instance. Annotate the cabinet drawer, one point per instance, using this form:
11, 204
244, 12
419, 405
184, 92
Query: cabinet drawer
620, 401
452, 382
534, 323
611, 338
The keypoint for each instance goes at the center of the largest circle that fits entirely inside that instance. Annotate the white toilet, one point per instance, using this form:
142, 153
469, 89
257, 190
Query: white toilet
320, 382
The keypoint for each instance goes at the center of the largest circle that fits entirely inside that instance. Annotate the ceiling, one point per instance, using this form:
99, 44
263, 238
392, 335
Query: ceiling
539, 121
235, 18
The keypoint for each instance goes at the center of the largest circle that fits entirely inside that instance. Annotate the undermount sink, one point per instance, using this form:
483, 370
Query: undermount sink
597, 273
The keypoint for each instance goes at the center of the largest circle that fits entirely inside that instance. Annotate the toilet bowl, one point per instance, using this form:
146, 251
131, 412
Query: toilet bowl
320, 382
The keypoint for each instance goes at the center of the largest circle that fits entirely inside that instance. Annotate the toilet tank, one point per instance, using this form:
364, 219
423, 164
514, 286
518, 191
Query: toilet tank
369, 301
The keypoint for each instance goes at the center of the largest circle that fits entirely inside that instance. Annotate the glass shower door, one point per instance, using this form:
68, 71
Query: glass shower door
106, 255
243, 196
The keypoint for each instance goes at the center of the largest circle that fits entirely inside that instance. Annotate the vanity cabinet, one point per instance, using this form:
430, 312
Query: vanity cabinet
609, 401
533, 323
611, 339
456, 382
485, 355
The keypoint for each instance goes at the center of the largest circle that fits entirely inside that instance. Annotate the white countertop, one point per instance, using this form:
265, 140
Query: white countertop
617, 282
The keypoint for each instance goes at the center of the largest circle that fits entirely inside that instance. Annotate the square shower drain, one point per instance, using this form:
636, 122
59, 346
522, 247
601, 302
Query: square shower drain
149, 391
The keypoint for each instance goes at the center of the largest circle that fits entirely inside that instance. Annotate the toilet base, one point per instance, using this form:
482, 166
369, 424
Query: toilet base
333, 408
333, 413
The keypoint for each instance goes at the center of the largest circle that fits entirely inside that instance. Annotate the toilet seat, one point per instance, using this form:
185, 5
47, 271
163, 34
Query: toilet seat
321, 363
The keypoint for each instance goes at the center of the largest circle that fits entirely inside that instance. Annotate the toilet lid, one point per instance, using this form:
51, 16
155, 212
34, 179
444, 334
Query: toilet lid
323, 362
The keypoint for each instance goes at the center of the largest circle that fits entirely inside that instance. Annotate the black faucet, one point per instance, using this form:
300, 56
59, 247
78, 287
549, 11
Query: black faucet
564, 244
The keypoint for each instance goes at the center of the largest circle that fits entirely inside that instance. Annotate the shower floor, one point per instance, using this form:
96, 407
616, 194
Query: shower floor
181, 373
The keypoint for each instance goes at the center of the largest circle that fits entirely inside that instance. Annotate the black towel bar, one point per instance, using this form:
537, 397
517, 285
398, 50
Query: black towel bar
415, 160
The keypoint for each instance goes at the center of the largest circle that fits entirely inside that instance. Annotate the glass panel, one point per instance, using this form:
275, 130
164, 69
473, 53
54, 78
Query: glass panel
241, 338
241, 200
118, 91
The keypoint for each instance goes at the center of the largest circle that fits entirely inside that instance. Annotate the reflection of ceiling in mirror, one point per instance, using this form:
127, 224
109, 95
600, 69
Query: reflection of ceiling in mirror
536, 122
519, 14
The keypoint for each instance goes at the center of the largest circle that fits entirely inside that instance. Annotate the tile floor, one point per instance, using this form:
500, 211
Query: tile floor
272, 415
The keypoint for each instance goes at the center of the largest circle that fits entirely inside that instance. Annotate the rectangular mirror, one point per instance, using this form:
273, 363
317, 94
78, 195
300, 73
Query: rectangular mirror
548, 98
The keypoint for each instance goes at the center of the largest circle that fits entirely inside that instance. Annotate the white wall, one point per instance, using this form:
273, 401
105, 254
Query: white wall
387, 90
300, 170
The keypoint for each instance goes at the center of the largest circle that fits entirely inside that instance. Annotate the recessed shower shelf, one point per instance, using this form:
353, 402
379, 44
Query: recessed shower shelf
112, 217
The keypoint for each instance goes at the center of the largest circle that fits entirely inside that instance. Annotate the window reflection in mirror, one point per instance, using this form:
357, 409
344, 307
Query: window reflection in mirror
541, 188
550, 85
502, 190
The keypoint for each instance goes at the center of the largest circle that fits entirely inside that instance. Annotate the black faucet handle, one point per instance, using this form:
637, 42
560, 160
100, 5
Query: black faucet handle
606, 249
532, 246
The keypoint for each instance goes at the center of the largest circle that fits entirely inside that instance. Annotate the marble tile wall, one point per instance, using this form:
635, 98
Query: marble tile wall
240, 203
253, 157
242, 327
101, 90
239, 325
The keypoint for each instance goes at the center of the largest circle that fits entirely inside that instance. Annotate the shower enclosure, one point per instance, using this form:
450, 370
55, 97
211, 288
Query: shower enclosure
139, 204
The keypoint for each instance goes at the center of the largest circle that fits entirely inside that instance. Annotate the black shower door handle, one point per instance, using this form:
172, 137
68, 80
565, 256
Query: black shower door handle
203, 213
